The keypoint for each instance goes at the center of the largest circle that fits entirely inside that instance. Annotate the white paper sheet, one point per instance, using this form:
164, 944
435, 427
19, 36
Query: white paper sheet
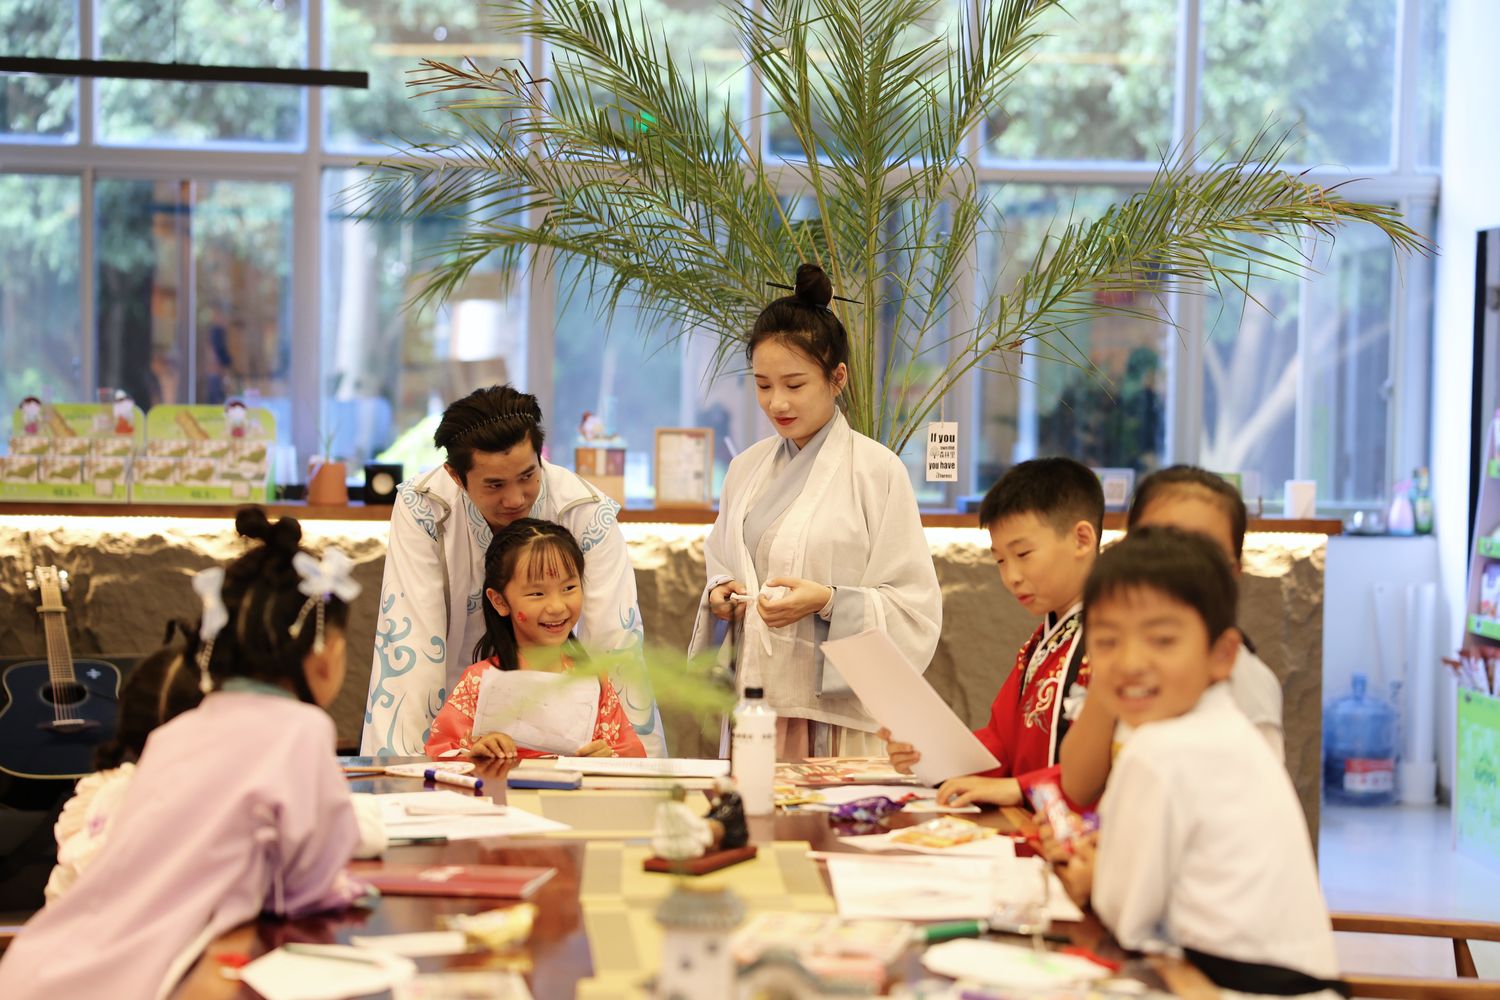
420, 944
338, 972
913, 887
990, 847
902, 701
667, 767
553, 713
442, 813
466, 985
996, 963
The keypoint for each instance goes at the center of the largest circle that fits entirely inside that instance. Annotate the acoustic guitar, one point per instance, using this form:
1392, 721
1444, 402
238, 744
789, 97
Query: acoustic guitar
58, 712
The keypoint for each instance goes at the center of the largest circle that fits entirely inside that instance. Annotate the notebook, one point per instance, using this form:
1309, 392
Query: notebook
489, 881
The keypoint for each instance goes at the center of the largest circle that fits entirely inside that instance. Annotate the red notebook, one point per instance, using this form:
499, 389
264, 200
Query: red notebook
492, 881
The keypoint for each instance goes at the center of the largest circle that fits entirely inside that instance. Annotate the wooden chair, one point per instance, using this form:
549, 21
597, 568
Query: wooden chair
1460, 932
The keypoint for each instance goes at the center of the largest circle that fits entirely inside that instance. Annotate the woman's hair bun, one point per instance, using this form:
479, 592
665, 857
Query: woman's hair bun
813, 287
284, 535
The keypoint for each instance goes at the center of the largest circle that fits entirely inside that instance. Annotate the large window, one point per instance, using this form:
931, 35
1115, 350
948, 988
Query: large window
193, 290
192, 242
40, 336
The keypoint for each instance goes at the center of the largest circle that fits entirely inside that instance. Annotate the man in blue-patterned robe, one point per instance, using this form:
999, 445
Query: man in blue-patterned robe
430, 616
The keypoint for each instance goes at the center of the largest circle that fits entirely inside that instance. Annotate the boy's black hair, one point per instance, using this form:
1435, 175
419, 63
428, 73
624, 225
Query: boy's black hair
1183, 565
1058, 490
262, 596
493, 419
1190, 479
554, 551
160, 688
802, 320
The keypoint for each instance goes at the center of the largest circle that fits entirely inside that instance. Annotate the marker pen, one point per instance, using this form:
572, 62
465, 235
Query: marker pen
449, 778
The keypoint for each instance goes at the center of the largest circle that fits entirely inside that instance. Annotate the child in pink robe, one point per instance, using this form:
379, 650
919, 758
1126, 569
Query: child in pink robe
237, 806
533, 575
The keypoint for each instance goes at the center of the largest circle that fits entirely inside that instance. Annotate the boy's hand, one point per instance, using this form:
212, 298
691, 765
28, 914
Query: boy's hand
1078, 874
903, 756
1051, 849
722, 607
496, 745
598, 748
972, 788
803, 598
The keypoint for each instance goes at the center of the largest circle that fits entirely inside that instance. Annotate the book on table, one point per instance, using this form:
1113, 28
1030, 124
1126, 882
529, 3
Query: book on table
488, 881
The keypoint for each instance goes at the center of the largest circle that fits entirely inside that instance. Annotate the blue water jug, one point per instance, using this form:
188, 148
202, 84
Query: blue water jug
1359, 748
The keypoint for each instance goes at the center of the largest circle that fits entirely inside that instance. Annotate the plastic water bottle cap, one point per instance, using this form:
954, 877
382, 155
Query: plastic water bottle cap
755, 692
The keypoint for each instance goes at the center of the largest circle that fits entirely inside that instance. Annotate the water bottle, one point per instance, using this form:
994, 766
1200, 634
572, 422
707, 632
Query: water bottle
752, 752
1359, 748
1421, 502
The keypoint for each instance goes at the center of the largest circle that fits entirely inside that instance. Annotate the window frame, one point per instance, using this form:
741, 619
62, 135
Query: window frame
1407, 185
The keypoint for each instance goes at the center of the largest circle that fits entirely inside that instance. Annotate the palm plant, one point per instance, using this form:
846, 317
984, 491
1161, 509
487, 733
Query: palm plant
624, 158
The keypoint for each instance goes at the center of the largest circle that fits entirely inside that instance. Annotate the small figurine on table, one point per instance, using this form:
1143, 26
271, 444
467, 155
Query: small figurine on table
688, 844
680, 833
728, 810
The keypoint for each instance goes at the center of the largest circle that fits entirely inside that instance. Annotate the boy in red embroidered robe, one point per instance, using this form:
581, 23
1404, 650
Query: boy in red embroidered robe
1044, 518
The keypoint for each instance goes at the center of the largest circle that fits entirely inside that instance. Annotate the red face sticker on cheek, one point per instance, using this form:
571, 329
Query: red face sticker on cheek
521, 617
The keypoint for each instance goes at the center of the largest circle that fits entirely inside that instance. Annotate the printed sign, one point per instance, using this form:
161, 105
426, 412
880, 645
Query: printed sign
942, 453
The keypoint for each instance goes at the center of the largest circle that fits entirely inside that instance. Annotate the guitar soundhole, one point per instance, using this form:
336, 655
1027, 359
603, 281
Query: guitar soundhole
70, 693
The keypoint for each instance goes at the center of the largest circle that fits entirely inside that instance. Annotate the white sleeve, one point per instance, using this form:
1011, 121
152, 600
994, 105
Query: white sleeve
1138, 850
373, 838
899, 585
411, 638
716, 562
1257, 692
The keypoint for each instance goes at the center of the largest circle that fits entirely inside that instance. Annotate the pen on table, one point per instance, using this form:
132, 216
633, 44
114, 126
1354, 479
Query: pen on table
336, 952
353, 770
409, 841
449, 778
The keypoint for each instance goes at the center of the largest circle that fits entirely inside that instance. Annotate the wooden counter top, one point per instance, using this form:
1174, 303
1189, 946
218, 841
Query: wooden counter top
636, 515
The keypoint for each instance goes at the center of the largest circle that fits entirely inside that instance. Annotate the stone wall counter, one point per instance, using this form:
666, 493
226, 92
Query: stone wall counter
130, 574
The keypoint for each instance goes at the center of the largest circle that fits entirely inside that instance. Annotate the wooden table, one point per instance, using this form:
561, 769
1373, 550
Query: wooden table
558, 949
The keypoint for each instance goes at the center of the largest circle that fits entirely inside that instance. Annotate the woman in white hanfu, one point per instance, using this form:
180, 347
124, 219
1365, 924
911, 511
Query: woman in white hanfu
828, 515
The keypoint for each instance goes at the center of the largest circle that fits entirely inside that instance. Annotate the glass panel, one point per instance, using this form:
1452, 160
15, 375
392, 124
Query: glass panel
40, 337
194, 291
39, 107
1329, 72
1296, 387
1431, 67
634, 379
388, 370
1098, 394
152, 112
389, 39
1098, 86
782, 140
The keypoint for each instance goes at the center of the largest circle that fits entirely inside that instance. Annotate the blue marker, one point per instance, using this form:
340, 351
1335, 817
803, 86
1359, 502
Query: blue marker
450, 778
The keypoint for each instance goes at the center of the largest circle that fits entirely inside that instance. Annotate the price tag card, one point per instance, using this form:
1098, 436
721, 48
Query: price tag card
942, 453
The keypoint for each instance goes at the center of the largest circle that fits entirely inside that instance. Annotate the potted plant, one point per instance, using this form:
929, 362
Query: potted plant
327, 477
624, 157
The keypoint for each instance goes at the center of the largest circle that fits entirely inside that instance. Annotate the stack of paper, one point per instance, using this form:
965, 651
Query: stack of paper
966, 887
443, 813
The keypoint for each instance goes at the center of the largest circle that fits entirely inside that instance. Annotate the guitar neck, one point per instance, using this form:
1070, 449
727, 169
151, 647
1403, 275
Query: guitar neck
59, 655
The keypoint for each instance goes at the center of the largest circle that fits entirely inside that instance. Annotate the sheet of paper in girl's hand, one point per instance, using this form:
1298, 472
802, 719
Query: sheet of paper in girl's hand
902, 701
553, 713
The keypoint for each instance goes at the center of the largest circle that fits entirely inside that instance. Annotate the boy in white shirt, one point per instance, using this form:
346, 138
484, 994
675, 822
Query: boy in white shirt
1193, 499
1202, 846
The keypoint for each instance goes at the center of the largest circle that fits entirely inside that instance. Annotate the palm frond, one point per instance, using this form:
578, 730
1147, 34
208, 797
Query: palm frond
623, 158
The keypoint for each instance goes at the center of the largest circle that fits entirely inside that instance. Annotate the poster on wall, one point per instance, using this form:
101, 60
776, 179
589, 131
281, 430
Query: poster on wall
1476, 792
684, 467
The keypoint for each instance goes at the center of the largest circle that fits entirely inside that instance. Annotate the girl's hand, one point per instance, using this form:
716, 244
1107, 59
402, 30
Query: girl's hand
722, 607
803, 598
598, 748
972, 788
1078, 874
496, 745
903, 756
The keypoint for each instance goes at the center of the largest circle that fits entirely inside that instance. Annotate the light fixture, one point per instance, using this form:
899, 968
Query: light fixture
121, 69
